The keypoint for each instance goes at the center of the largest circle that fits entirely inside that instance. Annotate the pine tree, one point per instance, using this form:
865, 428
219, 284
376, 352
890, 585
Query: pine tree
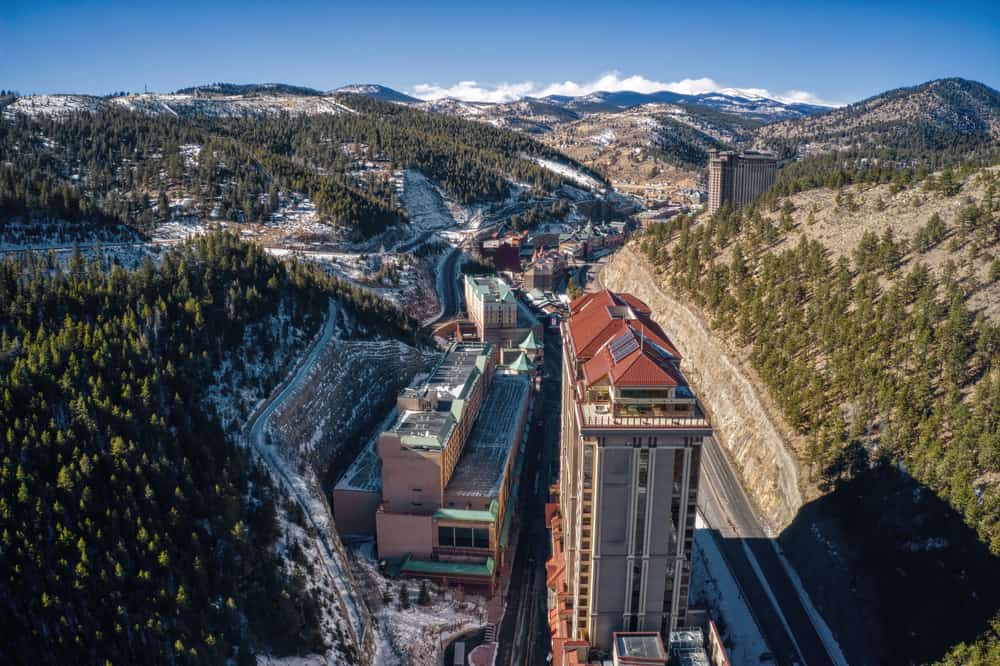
404, 596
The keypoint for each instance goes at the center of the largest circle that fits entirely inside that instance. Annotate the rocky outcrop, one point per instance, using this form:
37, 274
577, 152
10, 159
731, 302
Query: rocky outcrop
756, 440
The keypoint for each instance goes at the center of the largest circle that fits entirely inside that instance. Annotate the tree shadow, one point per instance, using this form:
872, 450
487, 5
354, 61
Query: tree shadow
894, 570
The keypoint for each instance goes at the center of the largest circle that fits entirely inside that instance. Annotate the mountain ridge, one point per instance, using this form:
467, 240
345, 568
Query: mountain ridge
933, 115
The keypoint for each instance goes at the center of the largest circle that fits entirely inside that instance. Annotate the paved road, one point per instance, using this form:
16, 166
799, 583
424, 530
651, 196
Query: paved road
446, 282
257, 437
87, 245
744, 543
451, 299
524, 632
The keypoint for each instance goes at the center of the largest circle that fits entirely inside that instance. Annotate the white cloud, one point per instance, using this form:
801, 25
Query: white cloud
473, 91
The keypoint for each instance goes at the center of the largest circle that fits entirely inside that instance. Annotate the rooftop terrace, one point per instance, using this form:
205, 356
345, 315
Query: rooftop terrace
429, 429
640, 645
479, 472
597, 415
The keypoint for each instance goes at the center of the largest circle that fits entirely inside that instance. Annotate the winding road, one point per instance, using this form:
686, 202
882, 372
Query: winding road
313, 506
447, 288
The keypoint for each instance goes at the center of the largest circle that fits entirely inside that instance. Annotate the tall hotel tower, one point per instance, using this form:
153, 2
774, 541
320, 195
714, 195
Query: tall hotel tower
622, 521
737, 178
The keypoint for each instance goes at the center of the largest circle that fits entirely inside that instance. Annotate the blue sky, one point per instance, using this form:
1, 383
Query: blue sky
833, 53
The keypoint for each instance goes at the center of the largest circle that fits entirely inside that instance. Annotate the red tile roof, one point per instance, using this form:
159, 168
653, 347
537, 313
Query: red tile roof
634, 358
613, 334
599, 316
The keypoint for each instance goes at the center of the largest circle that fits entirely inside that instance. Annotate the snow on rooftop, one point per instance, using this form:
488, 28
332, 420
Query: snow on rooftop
451, 375
480, 468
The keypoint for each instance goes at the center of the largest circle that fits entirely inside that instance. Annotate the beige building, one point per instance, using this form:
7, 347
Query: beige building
737, 178
446, 470
623, 526
501, 320
490, 302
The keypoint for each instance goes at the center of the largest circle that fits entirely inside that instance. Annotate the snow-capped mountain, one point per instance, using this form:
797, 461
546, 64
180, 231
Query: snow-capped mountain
181, 104
377, 91
732, 101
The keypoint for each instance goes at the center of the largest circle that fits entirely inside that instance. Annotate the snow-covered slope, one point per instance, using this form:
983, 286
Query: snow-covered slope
179, 104
572, 173
735, 102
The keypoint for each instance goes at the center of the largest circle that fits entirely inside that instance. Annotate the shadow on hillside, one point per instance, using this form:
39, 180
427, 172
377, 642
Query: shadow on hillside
894, 570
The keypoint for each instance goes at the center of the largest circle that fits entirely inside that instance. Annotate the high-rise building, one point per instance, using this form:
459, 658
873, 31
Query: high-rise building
736, 178
491, 303
623, 521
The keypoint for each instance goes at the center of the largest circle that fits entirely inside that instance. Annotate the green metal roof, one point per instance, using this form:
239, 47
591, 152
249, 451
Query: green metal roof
491, 285
471, 379
530, 342
414, 566
468, 515
521, 364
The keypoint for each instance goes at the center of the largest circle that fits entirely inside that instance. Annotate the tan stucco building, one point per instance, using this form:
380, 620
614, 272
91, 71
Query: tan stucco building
447, 466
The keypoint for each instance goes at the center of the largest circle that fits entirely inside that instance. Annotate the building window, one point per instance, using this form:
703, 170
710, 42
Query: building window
463, 537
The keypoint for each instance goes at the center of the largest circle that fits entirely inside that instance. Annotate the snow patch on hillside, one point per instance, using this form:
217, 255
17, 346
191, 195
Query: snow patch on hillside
568, 172
425, 203
414, 635
180, 228
605, 138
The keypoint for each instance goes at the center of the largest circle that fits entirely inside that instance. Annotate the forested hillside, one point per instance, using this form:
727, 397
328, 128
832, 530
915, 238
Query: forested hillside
134, 530
869, 314
898, 136
116, 165
914, 366
953, 116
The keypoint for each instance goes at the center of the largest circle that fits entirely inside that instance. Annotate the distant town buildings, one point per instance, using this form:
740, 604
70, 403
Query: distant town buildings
622, 519
546, 269
737, 178
516, 251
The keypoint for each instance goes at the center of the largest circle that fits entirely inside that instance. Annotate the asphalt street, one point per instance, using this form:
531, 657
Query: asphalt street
524, 632
727, 509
